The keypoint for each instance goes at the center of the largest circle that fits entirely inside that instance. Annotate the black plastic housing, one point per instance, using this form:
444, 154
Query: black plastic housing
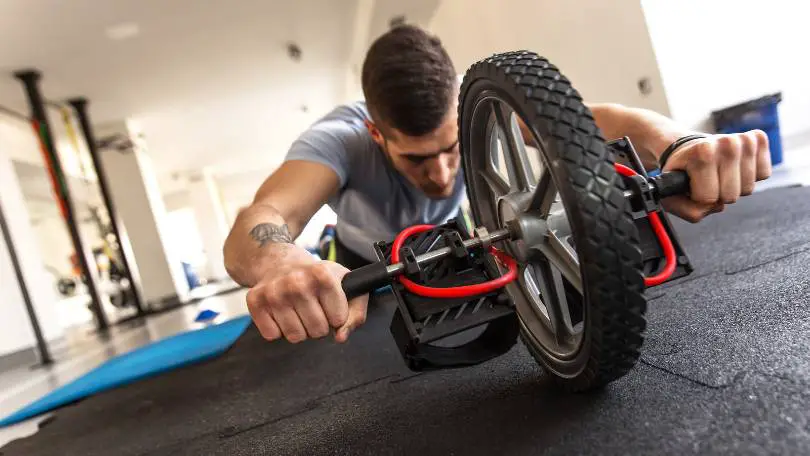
420, 323
644, 201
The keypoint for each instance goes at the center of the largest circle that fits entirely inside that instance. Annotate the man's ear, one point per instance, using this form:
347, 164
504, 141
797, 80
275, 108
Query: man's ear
376, 135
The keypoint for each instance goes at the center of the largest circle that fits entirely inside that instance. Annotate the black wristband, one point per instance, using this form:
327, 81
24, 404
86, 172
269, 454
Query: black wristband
662, 160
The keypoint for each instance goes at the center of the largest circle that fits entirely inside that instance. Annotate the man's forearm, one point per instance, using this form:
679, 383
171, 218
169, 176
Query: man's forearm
650, 132
259, 239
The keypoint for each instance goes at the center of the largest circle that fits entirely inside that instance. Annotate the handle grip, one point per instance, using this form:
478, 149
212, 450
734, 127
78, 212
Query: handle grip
365, 279
671, 183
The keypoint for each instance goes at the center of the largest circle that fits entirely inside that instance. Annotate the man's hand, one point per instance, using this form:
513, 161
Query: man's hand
721, 168
303, 299
291, 295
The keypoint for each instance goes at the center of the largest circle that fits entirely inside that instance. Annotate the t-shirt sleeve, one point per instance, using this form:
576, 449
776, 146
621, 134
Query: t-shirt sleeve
327, 143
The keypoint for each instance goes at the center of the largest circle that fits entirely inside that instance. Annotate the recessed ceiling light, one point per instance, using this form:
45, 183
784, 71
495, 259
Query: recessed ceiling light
122, 31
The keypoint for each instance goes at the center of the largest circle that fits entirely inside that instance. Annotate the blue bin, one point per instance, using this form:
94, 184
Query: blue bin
758, 114
191, 276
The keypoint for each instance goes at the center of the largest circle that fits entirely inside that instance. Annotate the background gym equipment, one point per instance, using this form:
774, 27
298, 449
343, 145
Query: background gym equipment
39, 118
581, 229
113, 230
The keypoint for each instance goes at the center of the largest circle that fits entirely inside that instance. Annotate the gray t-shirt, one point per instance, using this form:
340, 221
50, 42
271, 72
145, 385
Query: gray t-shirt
375, 202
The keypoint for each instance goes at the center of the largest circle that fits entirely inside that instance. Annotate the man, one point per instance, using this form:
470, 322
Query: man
393, 161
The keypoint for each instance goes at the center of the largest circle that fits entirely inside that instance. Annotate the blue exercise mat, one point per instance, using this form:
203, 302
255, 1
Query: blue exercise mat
170, 353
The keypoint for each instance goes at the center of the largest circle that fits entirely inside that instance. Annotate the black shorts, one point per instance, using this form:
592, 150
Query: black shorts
339, 253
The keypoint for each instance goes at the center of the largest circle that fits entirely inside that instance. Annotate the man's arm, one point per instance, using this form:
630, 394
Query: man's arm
650, 132
721, 168
263, 233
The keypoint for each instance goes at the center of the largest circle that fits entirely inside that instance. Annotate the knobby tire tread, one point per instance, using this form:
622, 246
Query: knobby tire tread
610, 258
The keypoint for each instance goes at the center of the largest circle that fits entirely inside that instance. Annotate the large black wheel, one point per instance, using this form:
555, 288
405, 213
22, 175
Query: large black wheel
579, 296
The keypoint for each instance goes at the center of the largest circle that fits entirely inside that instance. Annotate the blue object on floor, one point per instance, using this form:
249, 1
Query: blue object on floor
761, 113
191, 276
164, 355
206, 315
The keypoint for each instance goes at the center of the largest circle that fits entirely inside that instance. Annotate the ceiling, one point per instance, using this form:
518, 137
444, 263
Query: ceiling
210, 82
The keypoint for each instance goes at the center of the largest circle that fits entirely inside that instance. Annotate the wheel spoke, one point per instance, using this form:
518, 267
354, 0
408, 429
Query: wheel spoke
544, 194
562, 257
495, 183
533, 286
553, 295
520, 171
565, 259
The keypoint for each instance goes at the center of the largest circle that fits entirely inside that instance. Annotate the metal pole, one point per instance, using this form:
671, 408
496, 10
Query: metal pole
80, 106
44, 353
30, 79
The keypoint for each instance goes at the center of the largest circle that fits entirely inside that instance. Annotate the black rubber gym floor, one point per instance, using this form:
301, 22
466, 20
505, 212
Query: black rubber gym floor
725, 370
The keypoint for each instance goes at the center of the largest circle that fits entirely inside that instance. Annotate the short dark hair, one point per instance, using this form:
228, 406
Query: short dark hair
408, 80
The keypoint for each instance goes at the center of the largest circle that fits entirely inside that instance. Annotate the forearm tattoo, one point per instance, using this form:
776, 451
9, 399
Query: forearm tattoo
265, 233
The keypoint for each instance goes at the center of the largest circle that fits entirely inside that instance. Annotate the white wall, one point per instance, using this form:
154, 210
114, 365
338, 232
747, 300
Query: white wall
19, 142
54, 240
715, 53
15, 326
182, 219
602, 46
213, 227
183, 233
52, 233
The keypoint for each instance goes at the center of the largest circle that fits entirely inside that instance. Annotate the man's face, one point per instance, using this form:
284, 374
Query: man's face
431, 162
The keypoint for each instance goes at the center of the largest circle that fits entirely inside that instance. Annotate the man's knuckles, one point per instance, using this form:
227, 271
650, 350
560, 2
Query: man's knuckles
750, 146
760, 137
729, 148
295, 285
254, 298
295, 336
703, 154
322, 275
318, 330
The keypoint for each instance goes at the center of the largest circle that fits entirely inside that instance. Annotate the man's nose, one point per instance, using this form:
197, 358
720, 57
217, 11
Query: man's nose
439, 172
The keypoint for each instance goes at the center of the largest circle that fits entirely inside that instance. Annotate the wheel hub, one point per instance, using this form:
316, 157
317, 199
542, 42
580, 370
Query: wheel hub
529, 230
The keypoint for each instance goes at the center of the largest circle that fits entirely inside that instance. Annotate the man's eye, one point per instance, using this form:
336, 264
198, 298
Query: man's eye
417, 160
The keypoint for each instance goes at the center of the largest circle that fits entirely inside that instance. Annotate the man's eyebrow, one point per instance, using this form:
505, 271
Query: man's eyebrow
429, 156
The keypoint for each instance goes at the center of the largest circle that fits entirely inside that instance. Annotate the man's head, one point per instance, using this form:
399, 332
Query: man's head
410, 87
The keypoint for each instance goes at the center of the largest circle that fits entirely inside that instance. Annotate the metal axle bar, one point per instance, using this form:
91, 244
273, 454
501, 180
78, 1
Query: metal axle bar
438, 254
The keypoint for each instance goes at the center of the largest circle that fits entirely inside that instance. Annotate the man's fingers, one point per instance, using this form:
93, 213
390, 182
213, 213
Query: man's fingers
357, 316
748, 163
729, 150
264, 322
763, 155
689, 210
346, 317
700, 162
330, 293
290, 324
267, 326
313, 318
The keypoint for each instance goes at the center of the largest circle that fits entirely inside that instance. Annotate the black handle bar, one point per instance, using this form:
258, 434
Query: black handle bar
671, 183
365, 279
